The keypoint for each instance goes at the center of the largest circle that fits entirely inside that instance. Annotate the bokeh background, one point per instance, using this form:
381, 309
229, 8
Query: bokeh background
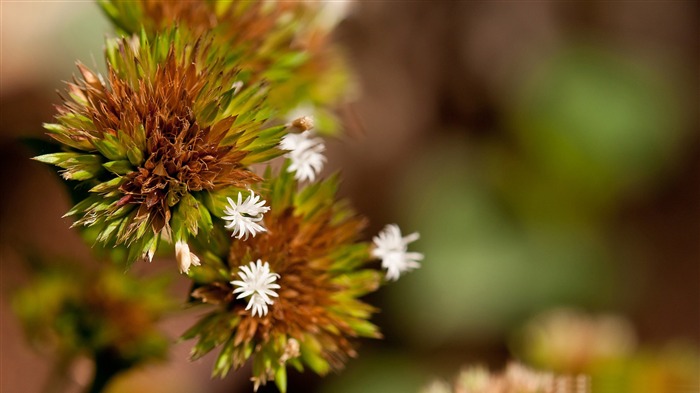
547, 152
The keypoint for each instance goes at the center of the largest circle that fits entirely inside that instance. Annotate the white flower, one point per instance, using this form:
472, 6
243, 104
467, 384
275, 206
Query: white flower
257, 282
305, 152
392, 249
244, 217
237, 86
184, 257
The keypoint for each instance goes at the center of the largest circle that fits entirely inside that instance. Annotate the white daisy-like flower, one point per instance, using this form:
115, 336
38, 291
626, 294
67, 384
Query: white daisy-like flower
184, 257
244, 217
257, 281
392, 249
305, 153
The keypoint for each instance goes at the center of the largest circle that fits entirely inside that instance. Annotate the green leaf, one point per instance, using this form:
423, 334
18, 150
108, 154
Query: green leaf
111, 147
225, 359
57, 158
78, 166
119, 167
363, 327
108, 185
292, 60
281, 379
310, 354
186, 216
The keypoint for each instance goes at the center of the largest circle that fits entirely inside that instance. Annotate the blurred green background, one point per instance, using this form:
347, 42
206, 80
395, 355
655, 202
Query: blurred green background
547, 152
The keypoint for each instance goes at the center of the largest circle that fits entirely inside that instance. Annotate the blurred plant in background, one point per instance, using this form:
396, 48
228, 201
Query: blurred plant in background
103, 314
516, 378
574, 352
604, 348
572, 342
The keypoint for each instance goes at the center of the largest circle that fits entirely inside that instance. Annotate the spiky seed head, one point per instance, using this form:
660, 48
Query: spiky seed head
164, 128
312, 243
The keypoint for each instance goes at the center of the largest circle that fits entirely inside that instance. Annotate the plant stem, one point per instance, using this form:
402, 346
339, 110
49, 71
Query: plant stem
106, 367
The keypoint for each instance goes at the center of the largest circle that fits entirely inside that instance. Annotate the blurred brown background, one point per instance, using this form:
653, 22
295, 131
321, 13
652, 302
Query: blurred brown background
548, 152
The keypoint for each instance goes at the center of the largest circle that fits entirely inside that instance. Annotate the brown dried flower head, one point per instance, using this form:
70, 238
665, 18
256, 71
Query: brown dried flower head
311, 243
168, 126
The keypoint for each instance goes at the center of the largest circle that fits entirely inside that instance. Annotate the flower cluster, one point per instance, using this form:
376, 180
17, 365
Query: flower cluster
307, 289
169, 148
244, 217
161, 133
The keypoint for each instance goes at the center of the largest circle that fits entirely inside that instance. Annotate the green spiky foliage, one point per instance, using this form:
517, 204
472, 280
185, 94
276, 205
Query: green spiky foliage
312, 243
283, 42
167, 127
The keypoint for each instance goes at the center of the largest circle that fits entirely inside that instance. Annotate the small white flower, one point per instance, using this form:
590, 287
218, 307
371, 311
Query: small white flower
305, 152
392, 249
184, 257
244, 217
257, 282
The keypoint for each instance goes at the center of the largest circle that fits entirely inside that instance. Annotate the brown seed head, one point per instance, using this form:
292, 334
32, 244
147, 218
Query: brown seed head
181, 155
299, 252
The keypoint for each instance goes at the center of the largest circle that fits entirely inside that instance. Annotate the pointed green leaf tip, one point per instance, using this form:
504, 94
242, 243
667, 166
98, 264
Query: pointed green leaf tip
281, 379
121, 167
76, 166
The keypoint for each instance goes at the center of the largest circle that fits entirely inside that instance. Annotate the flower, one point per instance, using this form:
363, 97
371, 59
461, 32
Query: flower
312, 242
392, 249
304, 153
153, 140
184, 257
243, 217
258, 283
